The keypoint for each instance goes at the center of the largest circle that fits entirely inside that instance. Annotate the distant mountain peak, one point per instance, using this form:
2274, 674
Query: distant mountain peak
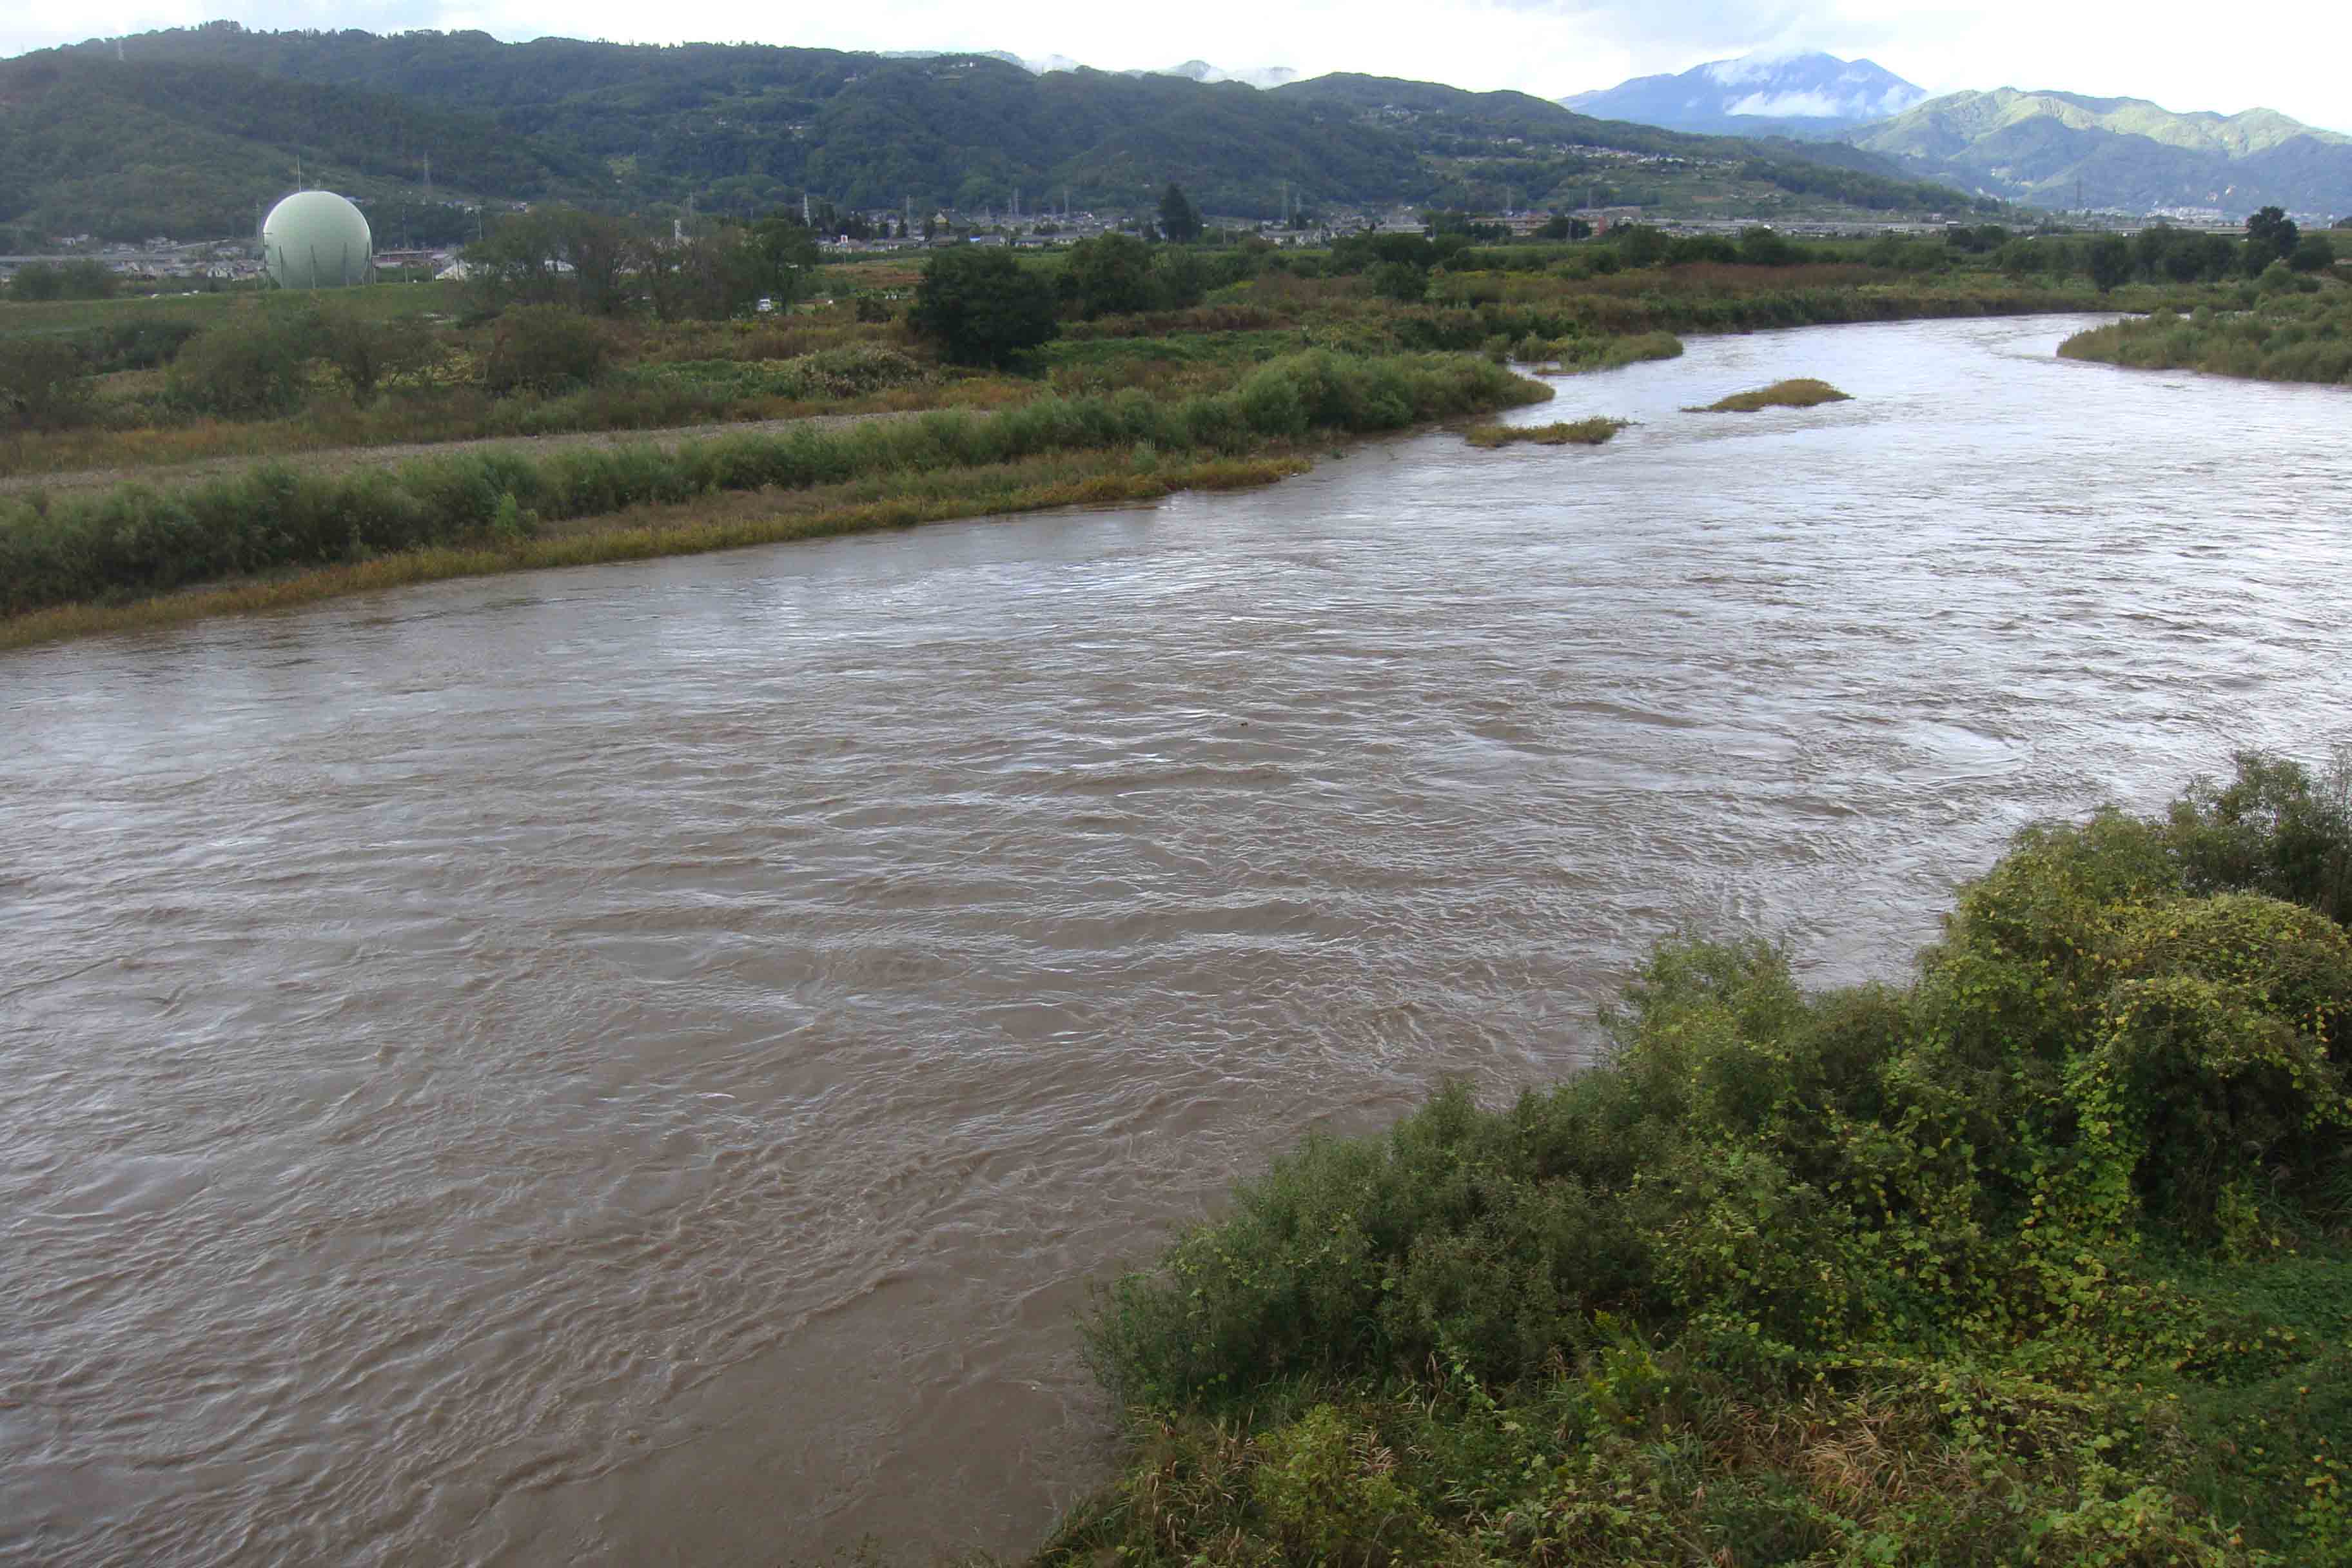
2064, 149
1808, 93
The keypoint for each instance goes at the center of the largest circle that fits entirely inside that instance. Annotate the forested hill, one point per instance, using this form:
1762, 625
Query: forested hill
188, 129
125, 151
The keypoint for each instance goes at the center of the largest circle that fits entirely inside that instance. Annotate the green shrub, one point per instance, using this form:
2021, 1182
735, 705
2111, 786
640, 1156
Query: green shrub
252, 366
369, 353
2000, 1265
545, 348
43, 385
2273, 829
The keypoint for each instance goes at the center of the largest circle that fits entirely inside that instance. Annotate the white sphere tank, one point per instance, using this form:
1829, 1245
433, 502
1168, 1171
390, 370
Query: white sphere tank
316, 239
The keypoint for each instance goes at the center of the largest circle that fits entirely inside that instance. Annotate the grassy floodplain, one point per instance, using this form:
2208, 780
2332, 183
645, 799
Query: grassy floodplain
1798, 391
2043, 1257
2289, 336
61, 560
99, 399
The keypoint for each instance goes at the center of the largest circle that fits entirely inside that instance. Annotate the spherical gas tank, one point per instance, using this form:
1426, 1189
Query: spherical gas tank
316, 239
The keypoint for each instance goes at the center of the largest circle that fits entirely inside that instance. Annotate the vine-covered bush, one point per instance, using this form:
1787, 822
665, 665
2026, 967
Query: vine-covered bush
2059, 1230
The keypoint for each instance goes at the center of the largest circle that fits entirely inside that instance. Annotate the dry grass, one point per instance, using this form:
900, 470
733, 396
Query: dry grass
1565, 433
1803, 392
726, 521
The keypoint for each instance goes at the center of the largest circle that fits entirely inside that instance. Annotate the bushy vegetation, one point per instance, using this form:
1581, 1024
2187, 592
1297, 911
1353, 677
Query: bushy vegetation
1563, 433
2286, 334
982, 307
2041, 1258
135, 540
1799, 391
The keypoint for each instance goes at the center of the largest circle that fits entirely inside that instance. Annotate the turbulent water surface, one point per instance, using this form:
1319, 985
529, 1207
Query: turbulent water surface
639, 1062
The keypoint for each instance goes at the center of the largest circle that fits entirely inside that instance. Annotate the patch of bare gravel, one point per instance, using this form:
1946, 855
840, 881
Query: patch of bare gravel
345, 459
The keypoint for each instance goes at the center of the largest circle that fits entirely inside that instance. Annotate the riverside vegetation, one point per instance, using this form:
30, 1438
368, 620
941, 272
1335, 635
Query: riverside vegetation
2286, 336
1135, 367
2044, 1257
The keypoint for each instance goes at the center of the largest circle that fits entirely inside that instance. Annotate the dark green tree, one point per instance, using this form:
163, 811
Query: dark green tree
707, 277
1563, 226
2311, 253
37, 280
556, 255
1639, 245
2271, 235
1179, 220
982, 306
1178, 277
1399, 281
788, 257
2109, 260
1761, 247
1110, 274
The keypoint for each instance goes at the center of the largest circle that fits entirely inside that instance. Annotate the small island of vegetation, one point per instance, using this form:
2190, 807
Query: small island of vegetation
2044, 1257
1590, 432
1800, 392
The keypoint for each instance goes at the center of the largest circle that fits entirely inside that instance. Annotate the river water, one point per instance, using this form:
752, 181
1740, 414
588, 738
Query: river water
639, 1062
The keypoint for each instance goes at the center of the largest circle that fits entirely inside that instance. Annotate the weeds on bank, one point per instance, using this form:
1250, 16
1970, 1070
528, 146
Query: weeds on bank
645, 531
135, 542
2043, 1258
1566, 433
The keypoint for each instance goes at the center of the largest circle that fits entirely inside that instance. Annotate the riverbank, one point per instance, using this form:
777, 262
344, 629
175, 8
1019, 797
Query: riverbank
2289, 336
686, 528
2044, 1257
277, 536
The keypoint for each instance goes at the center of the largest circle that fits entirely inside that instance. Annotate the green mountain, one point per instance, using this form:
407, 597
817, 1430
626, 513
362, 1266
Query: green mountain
123, 151
213, 118
2125, 152
1553, 155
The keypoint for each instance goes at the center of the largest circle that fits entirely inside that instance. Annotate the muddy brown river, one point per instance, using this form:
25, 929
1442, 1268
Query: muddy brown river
639, 1062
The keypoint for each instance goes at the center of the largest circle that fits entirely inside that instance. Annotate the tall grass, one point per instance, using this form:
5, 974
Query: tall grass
707, 523
136, 541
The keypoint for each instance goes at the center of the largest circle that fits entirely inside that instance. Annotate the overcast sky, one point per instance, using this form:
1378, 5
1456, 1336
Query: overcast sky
2289, 58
